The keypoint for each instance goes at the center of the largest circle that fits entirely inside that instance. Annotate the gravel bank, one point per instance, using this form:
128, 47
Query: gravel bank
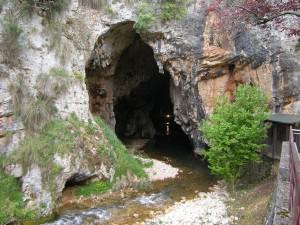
206, 209
160, 170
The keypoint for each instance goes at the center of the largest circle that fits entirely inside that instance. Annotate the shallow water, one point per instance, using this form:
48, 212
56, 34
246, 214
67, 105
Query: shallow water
137, 206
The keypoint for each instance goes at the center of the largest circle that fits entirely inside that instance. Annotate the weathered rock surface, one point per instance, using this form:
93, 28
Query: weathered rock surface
203, 64
207, 209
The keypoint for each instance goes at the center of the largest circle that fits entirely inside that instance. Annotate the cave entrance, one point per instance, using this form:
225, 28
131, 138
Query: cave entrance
127, 89
146, 110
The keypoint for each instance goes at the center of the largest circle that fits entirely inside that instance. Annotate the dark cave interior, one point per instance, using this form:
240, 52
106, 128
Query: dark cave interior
146, 111
134, 99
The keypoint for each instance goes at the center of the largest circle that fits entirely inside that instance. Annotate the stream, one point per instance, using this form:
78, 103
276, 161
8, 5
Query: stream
136, 207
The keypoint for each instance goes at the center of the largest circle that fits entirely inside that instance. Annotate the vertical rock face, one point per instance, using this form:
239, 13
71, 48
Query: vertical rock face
203, 64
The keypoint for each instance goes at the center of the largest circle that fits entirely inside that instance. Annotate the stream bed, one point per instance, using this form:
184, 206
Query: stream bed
136, 207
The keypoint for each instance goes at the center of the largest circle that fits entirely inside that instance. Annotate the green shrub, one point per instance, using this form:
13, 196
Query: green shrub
235, 132
172, 11
94, 188
11, 202
146, 17
10, 42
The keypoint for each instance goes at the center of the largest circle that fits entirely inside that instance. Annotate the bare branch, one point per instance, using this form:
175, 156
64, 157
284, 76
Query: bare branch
247, 10
264, 20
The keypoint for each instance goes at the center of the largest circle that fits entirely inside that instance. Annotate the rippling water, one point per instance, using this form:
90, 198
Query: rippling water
194, 178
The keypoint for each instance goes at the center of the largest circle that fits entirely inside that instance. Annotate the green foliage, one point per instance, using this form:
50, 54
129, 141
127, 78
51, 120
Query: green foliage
53, 84
11, 203
36, 111
94, 188
47, 8
69, 136
10, 43
125, 163
57, 137
33, 111
79, 76
146, 17
98, 5
172, 11
94, 4
2, 2
235, 132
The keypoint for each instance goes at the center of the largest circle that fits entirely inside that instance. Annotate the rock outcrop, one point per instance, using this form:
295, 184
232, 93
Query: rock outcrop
203, 64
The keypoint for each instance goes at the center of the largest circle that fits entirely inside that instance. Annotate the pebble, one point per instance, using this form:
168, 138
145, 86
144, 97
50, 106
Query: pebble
207, 209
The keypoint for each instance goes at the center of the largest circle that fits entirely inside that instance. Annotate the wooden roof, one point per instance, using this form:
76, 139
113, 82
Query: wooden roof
282, 118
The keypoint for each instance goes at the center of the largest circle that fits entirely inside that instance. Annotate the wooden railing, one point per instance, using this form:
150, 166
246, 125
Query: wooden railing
294, 168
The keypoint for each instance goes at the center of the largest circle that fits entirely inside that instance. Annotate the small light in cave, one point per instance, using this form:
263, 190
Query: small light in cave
168, 116
168, 130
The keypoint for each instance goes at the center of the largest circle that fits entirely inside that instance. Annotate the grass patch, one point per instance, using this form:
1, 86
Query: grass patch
123, 161
11, 34
94, 188
251, 203
36, 111
79, 76
71, 136
45, 8
57, 137
11, 203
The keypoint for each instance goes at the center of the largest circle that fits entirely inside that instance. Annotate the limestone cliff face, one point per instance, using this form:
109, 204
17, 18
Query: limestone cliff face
203, 64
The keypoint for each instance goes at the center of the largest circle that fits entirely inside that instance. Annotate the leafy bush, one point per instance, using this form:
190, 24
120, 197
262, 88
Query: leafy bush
172, 11
146, 17
10, 42
11, 204
235, 132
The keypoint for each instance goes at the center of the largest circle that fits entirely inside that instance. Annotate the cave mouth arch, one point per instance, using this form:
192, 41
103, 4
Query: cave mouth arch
128, 91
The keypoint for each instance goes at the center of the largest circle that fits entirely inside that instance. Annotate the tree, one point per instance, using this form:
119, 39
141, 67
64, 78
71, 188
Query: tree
258, 12
235, 132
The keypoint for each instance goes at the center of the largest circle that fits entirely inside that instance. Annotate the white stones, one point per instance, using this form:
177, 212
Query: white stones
161, 170
207, 209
